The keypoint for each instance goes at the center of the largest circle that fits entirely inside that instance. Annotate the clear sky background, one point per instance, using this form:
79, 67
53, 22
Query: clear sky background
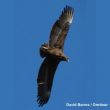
25, 25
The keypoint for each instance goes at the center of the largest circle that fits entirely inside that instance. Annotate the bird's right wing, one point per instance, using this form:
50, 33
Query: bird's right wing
65, 21
61, 27
45, 79
56, 29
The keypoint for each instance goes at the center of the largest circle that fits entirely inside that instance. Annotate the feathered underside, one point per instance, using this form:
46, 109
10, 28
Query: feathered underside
49, 65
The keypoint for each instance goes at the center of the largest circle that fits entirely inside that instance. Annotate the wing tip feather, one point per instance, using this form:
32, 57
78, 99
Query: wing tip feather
67, 13
68, 10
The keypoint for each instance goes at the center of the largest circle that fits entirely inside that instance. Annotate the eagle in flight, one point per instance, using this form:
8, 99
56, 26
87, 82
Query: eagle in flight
52, 52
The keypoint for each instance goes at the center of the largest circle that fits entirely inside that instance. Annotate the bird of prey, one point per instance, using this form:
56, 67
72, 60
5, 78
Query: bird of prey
52, 52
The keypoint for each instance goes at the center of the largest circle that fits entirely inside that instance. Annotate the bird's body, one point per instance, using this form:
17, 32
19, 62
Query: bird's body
53, 54
45, 51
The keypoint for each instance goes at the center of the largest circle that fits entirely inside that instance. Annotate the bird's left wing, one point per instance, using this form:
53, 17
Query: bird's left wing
45, 79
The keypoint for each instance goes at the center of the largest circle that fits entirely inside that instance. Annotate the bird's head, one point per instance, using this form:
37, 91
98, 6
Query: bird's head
64, 58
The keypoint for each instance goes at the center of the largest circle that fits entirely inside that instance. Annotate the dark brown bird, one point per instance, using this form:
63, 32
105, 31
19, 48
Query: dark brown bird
52, 53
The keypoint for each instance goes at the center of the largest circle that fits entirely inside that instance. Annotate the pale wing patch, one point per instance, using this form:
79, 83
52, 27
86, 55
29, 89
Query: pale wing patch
41, 83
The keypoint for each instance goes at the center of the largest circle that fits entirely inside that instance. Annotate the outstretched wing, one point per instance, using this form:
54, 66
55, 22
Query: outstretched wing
45, 80
60, 28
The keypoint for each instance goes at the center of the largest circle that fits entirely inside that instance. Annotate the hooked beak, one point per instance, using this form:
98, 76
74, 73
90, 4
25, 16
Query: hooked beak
67, 59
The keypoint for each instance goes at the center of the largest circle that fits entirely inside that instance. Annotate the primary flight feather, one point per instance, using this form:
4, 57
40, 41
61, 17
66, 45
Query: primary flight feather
52, 52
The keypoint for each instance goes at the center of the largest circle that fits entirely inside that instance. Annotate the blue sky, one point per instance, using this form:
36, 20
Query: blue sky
26, 24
